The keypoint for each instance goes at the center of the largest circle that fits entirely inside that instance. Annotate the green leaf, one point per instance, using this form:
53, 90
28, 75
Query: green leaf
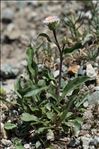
2, 91
32, 66
77, 125
87, 38
49, 115
35, 92
75, 47
69, 114
52, 95
46, 36
19, 147
9, 126
28, 117
41, 129
65, 115
73, 84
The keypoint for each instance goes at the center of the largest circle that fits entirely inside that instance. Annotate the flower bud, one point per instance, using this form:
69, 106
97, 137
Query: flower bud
52, 22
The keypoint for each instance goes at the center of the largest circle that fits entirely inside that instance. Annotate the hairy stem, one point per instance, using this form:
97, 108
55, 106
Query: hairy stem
61, 60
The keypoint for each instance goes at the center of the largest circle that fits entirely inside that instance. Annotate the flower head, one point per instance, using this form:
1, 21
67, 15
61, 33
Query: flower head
52, 22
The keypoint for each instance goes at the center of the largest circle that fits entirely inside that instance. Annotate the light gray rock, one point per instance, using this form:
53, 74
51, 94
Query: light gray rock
96, 138
56, 73
81, 71
93, 98
8, 71
26, 146
11, 33
96, 88
6, 143
88, 15
95, 141
50, 135
90, 72
3, 132
33, 3
7, 15
85, 141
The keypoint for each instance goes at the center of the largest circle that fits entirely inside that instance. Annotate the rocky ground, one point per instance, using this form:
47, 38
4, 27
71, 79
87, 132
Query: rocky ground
21, 22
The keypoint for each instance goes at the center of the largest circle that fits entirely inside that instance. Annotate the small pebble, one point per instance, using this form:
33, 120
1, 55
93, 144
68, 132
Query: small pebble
50, 135
26, 146
56, 73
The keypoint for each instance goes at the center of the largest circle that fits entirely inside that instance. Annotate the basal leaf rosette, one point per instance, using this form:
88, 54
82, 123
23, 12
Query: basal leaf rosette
52, 22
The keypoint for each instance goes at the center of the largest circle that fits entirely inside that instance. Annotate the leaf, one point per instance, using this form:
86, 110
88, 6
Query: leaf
35, 92
18, 88
75, 47
69, 114
49, 115
2, 91
77, 125
52, 95
41, 129
87, 38
28, 117
9, 126
46, 36
19, 147
65, 114
32, 66
73, 84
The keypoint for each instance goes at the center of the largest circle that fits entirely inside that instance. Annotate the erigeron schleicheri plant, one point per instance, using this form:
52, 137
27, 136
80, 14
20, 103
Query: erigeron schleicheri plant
41, 98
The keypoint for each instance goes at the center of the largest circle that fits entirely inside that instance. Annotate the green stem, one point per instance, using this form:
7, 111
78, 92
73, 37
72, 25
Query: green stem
61, 60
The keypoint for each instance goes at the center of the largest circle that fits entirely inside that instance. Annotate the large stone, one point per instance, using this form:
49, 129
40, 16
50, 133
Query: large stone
8, 72
7, 15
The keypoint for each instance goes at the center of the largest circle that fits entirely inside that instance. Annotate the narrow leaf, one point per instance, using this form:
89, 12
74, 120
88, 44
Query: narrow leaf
35, 92
65, 115
73, 84
46, 36
75, 47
